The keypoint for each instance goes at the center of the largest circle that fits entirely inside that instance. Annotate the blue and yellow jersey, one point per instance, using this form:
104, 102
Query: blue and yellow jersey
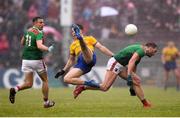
170, 53
75, 48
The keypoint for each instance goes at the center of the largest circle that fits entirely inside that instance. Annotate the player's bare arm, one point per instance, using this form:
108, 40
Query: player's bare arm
163, 58
103, 49
70, 62
41, 46
131, 67
22, 41
131, 64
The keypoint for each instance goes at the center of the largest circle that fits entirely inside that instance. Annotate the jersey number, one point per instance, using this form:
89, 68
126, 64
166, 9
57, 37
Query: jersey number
28, 40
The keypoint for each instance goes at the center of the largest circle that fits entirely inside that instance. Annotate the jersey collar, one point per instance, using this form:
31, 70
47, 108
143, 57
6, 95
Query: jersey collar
37, 28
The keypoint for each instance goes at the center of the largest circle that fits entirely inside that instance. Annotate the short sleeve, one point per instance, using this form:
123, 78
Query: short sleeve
93, 40
140, 52
71, 50
176, 50
164, 51
39, 36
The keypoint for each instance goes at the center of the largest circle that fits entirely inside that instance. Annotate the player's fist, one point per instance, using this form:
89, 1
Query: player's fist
60, 73
51, 48
129, 80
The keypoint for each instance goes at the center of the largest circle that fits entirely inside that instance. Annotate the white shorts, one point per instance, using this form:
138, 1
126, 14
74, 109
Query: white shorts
33, 65
114, 66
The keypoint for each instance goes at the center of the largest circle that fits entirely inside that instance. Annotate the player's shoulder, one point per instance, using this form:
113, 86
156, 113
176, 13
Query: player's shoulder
175, 48
34, 31
89, 37
165, 50
136, 46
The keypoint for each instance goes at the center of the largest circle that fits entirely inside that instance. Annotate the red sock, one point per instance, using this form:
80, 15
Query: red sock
144, 101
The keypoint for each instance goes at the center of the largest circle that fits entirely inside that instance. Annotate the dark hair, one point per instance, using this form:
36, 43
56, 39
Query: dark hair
36, 18
151, 44
80, 26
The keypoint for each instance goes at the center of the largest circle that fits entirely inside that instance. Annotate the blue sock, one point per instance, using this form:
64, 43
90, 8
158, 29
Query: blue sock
92, 83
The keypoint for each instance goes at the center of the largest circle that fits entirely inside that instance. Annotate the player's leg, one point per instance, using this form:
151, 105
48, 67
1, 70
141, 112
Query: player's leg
166, 77
167, 68
113, 68
72, 77
28, 82
177, 75
104, 86
110, 77
139, 91
86, 52
136, 89
41, 70
123, 75
45, 90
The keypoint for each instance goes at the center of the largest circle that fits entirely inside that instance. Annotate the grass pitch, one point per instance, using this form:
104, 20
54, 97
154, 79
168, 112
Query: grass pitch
115, 102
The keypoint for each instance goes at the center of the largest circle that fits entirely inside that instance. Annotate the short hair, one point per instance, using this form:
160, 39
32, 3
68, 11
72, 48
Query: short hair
36, 18
151, 44
80, 26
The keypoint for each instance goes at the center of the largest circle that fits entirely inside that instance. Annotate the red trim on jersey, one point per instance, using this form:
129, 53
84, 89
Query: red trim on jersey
113, 65
34, 31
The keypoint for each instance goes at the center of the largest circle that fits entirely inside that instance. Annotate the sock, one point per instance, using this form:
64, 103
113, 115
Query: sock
17, 89
45, 99
92, 83
144, 101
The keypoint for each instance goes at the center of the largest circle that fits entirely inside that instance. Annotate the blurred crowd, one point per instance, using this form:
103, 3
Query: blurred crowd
16, 15
161, 14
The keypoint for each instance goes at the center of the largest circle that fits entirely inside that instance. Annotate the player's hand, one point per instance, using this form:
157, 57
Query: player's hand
60, 73
129, 80
51, 48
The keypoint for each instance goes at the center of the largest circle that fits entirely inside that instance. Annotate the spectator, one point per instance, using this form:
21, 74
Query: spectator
4, 48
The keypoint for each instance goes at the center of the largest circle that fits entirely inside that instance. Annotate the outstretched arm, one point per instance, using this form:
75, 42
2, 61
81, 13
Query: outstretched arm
103, 49
69, 63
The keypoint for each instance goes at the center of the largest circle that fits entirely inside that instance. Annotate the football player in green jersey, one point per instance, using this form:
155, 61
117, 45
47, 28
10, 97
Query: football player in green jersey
124, 64
32, 61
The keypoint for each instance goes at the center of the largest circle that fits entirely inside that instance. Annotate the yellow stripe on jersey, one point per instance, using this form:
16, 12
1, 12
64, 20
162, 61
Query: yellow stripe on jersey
170, 53
75, 48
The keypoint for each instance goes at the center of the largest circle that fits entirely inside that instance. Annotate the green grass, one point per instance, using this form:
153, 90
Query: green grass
115, 102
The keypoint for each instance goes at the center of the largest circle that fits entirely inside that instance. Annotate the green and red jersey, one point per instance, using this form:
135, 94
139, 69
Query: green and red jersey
124, 55
30, 50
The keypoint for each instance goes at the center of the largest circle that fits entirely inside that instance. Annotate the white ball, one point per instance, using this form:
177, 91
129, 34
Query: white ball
131, 29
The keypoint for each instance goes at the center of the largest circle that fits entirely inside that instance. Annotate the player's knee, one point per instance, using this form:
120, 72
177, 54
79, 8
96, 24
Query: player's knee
67, 79
29, 84
104, 88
